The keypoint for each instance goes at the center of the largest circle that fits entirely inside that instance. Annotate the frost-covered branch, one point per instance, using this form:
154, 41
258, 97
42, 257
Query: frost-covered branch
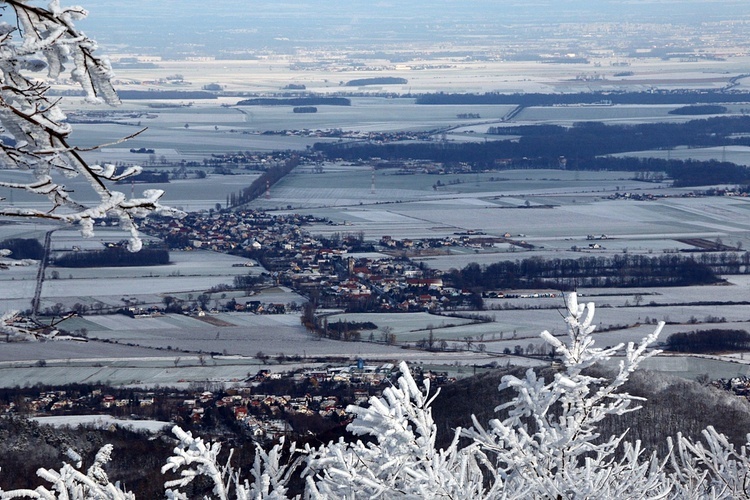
72, 484
33, 128
548, 444
403, 461
193, 458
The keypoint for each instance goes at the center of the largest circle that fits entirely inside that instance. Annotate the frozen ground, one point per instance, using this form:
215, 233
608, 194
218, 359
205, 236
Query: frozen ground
136, 351
102, 422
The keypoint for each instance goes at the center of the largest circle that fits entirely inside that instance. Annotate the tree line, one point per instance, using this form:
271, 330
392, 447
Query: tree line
585, 146
705, 341
566, 274
296, 101
259, 185
114, 257
685, 97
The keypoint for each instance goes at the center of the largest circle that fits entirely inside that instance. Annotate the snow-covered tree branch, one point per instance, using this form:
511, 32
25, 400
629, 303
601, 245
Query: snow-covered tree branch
548, 444
71, 483
403, 461
33, 131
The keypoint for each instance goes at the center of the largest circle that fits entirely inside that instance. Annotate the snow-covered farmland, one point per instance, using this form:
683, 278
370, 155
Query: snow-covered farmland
102, 422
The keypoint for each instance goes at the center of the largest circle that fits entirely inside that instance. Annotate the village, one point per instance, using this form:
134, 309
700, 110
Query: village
266, 406
381, 278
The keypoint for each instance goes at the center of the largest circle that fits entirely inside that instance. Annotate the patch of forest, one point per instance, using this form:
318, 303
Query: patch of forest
25, 446
296, 101
114, 257
23, 248
684, 97
709, 341
586, 146
701, 109
671, 405
384, 80
147, 176
566, 274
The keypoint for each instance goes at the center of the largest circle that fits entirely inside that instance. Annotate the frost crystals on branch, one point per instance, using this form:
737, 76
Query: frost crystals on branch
194, 458
403, 461
33, 132
71, 484
548, 445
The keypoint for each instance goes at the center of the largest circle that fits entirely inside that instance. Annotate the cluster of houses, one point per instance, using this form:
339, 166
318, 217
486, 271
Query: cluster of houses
738, 385
737, 191
386, 281
53, 402
375, 284
232, 231
323, 392
373, 137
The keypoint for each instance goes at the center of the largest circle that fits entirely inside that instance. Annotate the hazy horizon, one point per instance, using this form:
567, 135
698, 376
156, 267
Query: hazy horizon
172, 27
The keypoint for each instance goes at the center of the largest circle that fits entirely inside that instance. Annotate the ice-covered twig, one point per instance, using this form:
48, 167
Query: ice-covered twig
34, 128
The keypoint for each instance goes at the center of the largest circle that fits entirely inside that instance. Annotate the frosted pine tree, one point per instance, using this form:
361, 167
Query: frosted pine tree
33, 131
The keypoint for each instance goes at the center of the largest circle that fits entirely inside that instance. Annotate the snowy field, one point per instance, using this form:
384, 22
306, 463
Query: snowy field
146, 351
184, 194
188, 273
102, 422
447, 74
563, 209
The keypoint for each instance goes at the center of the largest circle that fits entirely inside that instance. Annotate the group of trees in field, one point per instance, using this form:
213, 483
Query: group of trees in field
23, 248
709, 341
117, 256
700, 109
626, 270
258, 186
381, 80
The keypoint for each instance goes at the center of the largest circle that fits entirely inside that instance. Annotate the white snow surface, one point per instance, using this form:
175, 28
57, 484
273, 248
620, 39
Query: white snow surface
102, 422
